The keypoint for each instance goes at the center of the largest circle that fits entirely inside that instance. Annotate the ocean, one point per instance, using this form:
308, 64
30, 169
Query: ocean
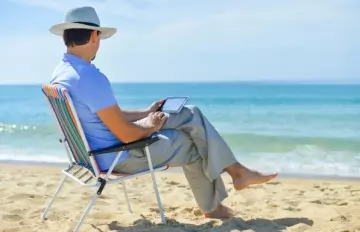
295, 129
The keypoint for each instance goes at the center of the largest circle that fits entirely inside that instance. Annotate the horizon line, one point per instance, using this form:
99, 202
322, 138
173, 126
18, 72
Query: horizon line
321, 82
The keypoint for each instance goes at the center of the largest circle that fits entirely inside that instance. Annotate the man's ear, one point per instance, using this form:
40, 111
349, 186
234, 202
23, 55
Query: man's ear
94, 37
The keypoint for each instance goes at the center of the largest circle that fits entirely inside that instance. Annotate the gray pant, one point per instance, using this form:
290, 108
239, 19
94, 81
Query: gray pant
188, 140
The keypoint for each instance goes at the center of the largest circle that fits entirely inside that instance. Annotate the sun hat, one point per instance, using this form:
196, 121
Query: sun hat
82, 18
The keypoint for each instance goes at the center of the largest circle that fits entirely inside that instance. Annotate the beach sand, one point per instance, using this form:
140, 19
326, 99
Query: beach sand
281, 205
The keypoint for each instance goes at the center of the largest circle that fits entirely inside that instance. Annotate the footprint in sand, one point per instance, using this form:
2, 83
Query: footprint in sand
355, 191
316, 202
21, 184
16, 211
193, 211
340, 218
332, 201
58, 215
50, 186
272, 205
164, 191
342, 203
300, 193
328, 201
21, 196
86, 194
292, 190
154, 210
39, 183
292, 203
11, 217
12, 229
172, 183
273, 183
293, 209
171, 209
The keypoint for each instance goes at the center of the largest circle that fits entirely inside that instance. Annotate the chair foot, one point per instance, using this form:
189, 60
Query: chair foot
43, 216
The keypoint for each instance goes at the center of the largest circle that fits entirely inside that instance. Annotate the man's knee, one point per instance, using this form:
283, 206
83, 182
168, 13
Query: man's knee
179, 150
194, 109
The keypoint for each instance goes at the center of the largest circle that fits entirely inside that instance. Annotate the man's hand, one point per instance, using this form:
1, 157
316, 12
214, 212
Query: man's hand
134, 115
155, 106
155, 121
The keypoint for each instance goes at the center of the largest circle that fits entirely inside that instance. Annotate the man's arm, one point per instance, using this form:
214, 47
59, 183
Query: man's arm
121, 127
134, 115
99, 97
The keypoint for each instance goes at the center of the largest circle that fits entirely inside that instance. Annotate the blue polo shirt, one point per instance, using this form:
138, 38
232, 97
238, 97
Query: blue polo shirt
90, 91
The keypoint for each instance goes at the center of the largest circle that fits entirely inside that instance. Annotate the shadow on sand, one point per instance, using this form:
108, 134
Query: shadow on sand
233, 224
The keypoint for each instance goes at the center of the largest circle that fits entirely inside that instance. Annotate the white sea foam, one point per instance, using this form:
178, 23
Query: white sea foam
306, 161
32, 155
303, 161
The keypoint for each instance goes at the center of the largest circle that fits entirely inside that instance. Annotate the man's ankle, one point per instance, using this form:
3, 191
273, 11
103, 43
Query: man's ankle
235, 170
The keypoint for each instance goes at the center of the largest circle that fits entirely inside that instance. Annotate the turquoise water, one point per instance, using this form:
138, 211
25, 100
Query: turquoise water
293, 129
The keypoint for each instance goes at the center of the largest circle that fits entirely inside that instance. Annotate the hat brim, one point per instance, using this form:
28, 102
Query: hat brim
106, 32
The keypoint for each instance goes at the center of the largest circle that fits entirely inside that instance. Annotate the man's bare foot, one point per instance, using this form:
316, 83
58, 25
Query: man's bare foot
250, 177
220, 212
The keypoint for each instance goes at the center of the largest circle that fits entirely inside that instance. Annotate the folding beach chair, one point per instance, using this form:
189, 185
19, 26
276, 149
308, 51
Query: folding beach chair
82, 167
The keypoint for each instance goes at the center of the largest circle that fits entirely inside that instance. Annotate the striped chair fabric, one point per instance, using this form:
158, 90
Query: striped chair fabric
62, 110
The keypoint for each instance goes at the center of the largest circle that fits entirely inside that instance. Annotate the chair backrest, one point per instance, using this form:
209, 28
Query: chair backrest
66, 116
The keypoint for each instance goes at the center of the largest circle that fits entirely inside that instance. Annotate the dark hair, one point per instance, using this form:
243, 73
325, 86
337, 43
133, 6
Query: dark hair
76, 37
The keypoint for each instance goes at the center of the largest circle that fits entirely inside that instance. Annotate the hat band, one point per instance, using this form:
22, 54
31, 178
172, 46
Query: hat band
88, 24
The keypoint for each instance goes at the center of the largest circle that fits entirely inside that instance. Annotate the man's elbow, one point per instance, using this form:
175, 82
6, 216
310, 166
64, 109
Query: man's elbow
127, 137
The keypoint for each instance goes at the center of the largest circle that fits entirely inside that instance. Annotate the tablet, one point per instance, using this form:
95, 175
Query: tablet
173, 104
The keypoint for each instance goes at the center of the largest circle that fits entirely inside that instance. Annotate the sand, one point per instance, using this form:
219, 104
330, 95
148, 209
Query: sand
281, 205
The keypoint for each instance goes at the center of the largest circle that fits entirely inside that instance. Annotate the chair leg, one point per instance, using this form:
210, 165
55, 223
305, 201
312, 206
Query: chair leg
53, 198
126, 196
92, 201
155, 185
158, 198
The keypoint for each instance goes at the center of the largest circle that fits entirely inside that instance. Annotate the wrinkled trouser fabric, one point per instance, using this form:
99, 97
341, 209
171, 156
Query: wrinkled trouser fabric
190, 141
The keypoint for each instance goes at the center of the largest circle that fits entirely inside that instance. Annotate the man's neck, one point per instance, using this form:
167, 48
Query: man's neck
79, 53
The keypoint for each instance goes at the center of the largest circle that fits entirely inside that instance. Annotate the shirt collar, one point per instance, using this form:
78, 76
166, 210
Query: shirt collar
74, 59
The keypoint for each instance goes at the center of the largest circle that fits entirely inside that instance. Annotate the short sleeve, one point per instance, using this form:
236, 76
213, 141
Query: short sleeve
95, 91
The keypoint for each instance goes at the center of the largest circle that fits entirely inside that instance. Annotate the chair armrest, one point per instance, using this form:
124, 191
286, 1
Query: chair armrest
139, 144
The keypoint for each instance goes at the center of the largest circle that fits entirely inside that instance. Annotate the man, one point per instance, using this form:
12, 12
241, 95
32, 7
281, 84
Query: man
187, 139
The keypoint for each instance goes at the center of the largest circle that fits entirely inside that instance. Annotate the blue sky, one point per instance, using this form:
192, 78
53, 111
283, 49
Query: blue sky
187, 40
